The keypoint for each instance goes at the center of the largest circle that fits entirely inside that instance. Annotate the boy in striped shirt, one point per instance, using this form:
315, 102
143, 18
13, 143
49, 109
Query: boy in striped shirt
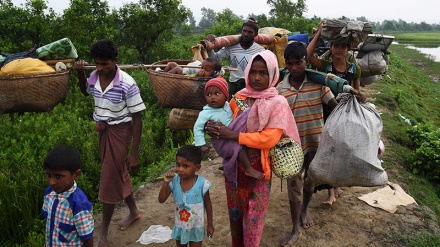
305, 99
118, 120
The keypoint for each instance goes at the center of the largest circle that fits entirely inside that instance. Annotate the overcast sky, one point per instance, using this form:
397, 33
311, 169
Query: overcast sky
373, 10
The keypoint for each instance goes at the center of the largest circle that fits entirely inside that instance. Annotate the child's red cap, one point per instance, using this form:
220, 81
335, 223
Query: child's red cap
220, 83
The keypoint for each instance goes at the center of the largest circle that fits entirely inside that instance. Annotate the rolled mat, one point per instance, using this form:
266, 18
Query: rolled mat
335, 83
235, 39
59, 49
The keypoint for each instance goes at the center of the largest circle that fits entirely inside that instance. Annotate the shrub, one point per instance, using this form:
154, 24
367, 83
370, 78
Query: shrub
425, 159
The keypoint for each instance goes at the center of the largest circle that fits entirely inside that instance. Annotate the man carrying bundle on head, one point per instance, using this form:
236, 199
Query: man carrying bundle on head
238, 55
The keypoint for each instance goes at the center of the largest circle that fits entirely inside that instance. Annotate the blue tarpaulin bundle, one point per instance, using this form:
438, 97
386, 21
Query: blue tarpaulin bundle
301, 37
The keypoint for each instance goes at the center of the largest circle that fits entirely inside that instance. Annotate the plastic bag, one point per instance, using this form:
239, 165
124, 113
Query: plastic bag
347, 152
6, 58
155, 234
373, 63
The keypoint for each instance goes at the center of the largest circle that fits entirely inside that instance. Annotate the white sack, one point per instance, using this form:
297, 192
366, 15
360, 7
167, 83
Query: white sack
373, 63
347, 152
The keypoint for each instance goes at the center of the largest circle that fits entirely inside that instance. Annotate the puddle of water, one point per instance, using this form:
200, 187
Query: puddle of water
431, 53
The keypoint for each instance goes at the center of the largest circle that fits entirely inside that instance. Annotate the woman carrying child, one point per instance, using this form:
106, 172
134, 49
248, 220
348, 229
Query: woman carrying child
268, 118
217, 109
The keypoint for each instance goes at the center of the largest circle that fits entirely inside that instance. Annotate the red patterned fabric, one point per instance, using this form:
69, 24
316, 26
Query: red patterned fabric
248, 203
235, 39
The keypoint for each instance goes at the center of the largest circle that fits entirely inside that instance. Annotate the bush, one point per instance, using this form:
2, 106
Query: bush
425, 159
32, 135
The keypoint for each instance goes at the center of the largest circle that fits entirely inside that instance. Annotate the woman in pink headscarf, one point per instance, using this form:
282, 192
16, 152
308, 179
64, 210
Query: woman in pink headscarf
267, 118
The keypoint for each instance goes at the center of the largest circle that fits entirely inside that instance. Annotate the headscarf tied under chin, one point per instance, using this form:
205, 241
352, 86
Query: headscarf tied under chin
269, 110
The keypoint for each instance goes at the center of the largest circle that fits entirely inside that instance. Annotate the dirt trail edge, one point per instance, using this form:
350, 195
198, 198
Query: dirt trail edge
348, 222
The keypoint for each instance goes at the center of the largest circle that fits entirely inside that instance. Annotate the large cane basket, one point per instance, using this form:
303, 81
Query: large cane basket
175, 90
33, 93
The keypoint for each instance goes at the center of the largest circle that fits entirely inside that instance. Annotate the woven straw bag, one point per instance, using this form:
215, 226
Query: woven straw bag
286, 158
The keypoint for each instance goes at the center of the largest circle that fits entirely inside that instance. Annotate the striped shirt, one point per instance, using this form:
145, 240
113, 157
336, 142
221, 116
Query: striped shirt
69, 217
115, 104
306, 105
237, 58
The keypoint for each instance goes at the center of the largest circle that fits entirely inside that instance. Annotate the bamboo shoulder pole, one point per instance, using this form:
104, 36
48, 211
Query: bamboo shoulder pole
138, 66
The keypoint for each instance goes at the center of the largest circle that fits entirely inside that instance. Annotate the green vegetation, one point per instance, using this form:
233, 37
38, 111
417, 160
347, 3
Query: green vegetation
407, 92
419, 39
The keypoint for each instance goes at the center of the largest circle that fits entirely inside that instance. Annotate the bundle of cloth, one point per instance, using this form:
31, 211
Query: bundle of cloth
25, 66
276, 31
340, 31
60, 49
235, 39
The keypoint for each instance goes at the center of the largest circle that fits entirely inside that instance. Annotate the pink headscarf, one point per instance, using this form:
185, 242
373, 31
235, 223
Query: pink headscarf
269, 110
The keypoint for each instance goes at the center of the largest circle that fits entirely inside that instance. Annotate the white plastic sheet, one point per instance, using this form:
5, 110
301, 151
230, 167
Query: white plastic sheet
155, 234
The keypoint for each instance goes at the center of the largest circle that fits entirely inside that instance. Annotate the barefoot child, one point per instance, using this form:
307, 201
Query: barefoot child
66, 208
217, 109
305, 99
210, 67
191, 198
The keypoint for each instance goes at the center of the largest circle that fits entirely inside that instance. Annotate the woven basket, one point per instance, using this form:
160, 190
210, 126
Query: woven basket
177, 91
33, 93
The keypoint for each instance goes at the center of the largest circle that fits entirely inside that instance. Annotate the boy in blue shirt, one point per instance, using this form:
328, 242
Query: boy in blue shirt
68, 212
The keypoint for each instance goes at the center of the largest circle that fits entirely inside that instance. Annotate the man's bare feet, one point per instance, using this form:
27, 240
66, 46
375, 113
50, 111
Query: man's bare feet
126, 222
102, 242
306, 221
251, 172
290, 239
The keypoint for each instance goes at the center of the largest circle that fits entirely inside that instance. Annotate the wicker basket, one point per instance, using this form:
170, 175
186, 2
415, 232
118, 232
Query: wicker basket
177, 91
33, 93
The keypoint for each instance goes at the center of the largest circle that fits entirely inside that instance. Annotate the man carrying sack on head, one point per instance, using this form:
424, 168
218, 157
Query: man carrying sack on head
239, 54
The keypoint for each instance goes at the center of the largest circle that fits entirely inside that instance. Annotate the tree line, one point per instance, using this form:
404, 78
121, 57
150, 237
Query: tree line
144, 30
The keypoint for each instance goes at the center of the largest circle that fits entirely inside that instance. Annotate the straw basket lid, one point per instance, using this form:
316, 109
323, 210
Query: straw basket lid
34, 92
175, 90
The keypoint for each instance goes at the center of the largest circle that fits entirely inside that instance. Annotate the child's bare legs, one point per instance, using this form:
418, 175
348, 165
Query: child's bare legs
308, 187
338, 192
176, 70
332, 194
170, 65
249, 170
331, 197
295, 235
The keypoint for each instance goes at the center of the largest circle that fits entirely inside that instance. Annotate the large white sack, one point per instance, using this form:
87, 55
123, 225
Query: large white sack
373, 63
347, 152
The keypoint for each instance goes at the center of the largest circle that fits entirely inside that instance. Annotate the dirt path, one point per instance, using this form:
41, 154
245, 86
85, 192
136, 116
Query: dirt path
348, 222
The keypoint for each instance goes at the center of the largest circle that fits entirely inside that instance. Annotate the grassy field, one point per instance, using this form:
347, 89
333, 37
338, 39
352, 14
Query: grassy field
425, 39
408, 89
